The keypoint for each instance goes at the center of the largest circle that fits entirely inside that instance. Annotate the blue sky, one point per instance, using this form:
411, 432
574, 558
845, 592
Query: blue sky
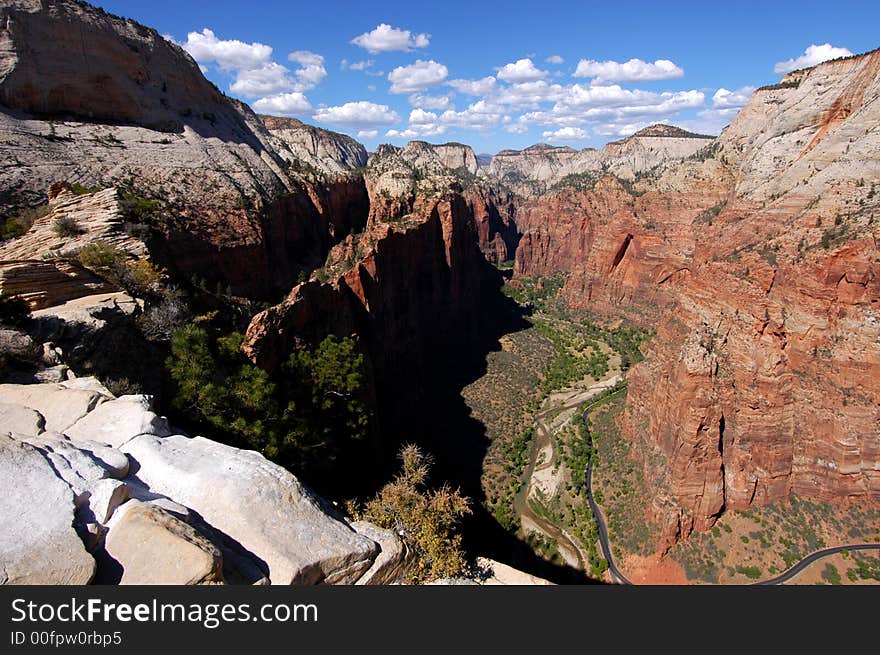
504, 74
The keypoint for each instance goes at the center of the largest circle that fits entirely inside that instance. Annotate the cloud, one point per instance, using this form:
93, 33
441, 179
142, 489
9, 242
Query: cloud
205, 47
634, 70
566, 134
814, 54
256, 75
360, 114
517, 128
368, 134
268, 79
724, 99
311, 70
285, 104
417, 77
555, 59
430, 102
388, 39
481, 115
621, 129
529, 94
480, 87
421, 123
612, 108
522, 70
361, 65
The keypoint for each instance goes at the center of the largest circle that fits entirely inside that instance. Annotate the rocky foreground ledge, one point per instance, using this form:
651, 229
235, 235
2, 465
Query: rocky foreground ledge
100, 489
95, 488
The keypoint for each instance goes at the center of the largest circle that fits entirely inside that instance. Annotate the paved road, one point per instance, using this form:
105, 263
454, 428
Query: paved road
785, 576
812, 557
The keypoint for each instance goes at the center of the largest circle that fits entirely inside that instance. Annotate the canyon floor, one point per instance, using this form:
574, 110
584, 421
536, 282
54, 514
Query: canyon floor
532, 414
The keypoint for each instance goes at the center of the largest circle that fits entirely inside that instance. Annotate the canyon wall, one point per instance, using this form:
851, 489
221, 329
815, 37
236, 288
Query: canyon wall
756, 260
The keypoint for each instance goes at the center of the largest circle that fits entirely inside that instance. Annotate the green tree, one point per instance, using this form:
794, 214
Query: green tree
304, 419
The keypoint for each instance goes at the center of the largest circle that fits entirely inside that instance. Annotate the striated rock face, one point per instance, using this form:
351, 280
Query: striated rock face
324, 150
624, 250
417, 281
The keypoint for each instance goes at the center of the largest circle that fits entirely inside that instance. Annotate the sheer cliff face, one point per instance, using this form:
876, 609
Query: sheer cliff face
757, 262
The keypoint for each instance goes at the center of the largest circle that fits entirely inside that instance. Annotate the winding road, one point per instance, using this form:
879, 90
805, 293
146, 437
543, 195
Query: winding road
620, 578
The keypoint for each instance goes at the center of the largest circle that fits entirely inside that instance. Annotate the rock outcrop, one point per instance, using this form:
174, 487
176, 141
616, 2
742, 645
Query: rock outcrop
133, 111
323, 150
83, 496
38, 544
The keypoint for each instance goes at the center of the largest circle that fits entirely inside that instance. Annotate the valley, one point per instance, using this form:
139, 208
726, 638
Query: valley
682, 328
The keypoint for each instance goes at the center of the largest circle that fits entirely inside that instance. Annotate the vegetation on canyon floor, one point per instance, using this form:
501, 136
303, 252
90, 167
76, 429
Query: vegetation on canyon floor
561, 349
746, 545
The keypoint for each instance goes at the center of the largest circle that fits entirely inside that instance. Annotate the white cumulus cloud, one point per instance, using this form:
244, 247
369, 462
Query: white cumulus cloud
430, 102
480, 87
256, 75
566, 134
232, 54
368, 134
417, 77
555, 59
481, 115
522, 70
724, 99
814, 54
360, 114
388, 39
311, 67
268, 79
285, 104
634, 70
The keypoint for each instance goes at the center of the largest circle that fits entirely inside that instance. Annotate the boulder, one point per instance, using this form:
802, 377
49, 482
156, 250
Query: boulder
20, 420
502, 574
59, 405
114, 462
18, 346
259, 504
38, 544
153, 547
105, 496
391, 563
117, 421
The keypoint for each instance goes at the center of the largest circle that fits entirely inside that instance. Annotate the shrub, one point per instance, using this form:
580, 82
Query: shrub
831, 574
66, 226
13, 310
426, 520
11, 228
139, 277
160, 320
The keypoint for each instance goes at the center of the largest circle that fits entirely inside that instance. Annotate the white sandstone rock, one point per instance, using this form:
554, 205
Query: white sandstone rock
59, 405
117, 421
256, 502
38, 544
154, 547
